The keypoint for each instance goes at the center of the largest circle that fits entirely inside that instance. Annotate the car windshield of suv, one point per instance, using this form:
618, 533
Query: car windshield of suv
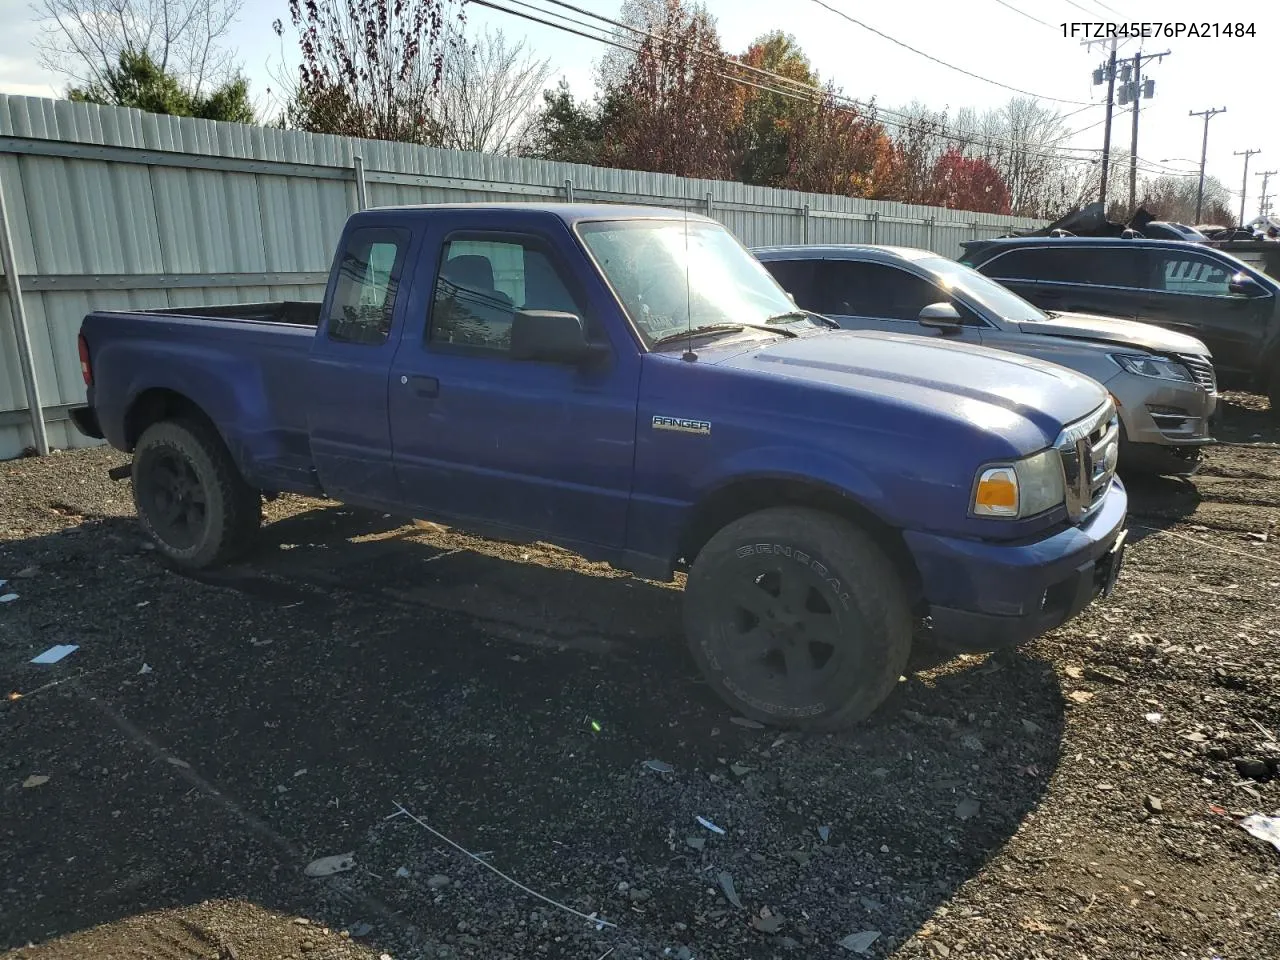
982, 291
672, 276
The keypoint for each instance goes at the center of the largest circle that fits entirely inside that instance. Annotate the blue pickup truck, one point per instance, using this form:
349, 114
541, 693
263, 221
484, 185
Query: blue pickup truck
631, 384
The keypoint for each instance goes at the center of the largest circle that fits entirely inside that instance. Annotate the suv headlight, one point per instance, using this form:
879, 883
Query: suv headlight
1145, 365
1022, 488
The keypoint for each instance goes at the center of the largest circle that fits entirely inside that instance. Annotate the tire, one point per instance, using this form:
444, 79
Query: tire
217, 516
797, 618
1273, 393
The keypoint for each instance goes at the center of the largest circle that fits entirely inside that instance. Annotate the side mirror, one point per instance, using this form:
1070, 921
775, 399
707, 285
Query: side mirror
550, 336
1243, 285
941, 316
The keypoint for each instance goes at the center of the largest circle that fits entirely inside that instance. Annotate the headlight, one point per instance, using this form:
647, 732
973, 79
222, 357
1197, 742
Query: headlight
1020, 489
1162, 368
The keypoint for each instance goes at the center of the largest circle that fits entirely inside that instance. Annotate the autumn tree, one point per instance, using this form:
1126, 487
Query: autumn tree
968, 183
676, 103
769, 116
371, 68
138, 81
90, 40
838, 148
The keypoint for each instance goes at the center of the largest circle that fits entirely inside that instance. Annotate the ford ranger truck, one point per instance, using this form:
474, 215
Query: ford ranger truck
629, 383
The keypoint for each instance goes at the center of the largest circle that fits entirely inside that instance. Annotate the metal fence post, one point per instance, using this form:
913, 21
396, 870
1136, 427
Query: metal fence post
804, 224
710, 206
26, 360
568, 190
362, 196
929, 241
875, 227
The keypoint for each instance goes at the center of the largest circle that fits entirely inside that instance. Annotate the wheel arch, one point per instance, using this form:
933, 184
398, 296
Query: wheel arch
157, 404
746, 495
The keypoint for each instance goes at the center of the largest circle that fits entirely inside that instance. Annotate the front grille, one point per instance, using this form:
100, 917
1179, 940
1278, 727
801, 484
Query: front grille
1090, 450
1201, 369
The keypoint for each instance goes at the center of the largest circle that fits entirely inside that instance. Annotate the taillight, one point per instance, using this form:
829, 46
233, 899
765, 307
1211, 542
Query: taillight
86, 370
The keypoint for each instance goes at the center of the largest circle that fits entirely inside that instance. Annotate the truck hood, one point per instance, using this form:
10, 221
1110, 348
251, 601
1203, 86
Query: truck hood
1123, 333
986, 387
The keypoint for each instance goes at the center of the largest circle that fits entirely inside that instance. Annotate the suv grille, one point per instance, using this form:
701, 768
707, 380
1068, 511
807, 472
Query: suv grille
1201, 369
1090, 450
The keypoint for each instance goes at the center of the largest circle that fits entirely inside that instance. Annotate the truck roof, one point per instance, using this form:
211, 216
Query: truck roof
570, 213
841, 251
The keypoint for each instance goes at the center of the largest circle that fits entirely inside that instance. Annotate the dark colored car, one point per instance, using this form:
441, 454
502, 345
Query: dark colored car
1189, 287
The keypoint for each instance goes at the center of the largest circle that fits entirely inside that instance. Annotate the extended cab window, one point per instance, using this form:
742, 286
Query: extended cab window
1181, 272
481, 284
364, 298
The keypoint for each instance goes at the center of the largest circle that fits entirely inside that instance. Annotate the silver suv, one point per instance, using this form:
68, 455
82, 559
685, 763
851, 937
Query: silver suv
1163, 382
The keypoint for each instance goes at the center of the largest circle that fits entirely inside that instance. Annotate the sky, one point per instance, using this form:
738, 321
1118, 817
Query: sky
1019, 43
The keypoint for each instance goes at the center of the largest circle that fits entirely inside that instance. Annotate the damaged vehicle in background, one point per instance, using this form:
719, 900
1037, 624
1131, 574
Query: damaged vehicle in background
1162, 382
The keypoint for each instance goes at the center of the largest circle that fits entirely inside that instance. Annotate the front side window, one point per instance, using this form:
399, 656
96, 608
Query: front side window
364, 297
797, 278
483, 281
672, 276
1182, 272
855, 289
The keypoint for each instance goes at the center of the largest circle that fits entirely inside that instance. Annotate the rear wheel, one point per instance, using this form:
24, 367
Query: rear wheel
797, 618
1273, 392
190, 497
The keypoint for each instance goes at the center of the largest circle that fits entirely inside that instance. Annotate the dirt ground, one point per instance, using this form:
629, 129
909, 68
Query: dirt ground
368, 688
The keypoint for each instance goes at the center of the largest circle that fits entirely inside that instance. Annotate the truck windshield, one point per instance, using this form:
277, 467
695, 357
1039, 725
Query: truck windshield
982, 291
672, 276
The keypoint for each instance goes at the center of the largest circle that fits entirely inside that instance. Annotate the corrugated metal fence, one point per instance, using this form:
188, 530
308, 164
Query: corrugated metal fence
112, 208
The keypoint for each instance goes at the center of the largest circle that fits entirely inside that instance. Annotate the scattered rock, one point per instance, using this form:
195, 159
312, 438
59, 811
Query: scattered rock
967, 808
860, 942
1154, 804
26, 573
697, 843
744, 722
824, 833
1253, 768
1030, 726
639, 894
438, 881
1106, 675
327, 866
740, 769
35, 780
659, 766
1080, 696
971, 742
730, 894
767, 924
402, 873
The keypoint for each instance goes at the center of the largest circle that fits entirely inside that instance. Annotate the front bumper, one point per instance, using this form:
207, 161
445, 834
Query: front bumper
984, 595
1164, 412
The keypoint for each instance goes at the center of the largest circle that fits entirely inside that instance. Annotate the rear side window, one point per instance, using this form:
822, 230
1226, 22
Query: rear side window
484, 280
797, 278
1107, 266
364, 298
1181, 272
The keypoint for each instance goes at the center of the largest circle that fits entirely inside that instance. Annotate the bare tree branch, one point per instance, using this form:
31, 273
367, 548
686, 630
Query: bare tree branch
487, 94
83, 39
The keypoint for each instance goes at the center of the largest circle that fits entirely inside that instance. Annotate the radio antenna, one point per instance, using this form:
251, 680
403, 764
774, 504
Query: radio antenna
688, 356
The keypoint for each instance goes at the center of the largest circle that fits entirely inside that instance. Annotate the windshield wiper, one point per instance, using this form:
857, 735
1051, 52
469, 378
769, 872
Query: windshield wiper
809, 315
720, 328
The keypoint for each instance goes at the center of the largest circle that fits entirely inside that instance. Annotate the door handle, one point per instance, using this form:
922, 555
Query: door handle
425, 386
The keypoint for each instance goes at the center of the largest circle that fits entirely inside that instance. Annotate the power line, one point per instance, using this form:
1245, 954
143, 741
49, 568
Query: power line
1023, 13
928, 56
804, 91
799, 90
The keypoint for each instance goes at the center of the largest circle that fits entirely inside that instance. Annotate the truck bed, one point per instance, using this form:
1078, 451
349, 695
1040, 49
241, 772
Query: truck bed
302, 313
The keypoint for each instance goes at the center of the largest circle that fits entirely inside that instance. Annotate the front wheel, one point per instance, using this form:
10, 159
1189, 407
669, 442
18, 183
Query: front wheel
190, 497
797, 618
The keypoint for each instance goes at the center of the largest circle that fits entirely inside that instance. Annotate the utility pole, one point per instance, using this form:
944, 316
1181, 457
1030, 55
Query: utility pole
1106, 135
1244, 184
1265, 175
1134, 90
1204, 150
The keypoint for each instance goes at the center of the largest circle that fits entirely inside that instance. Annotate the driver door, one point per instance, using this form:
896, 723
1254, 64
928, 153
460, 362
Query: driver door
860, 295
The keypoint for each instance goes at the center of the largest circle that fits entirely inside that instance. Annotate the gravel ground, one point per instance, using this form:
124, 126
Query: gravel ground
163, 788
